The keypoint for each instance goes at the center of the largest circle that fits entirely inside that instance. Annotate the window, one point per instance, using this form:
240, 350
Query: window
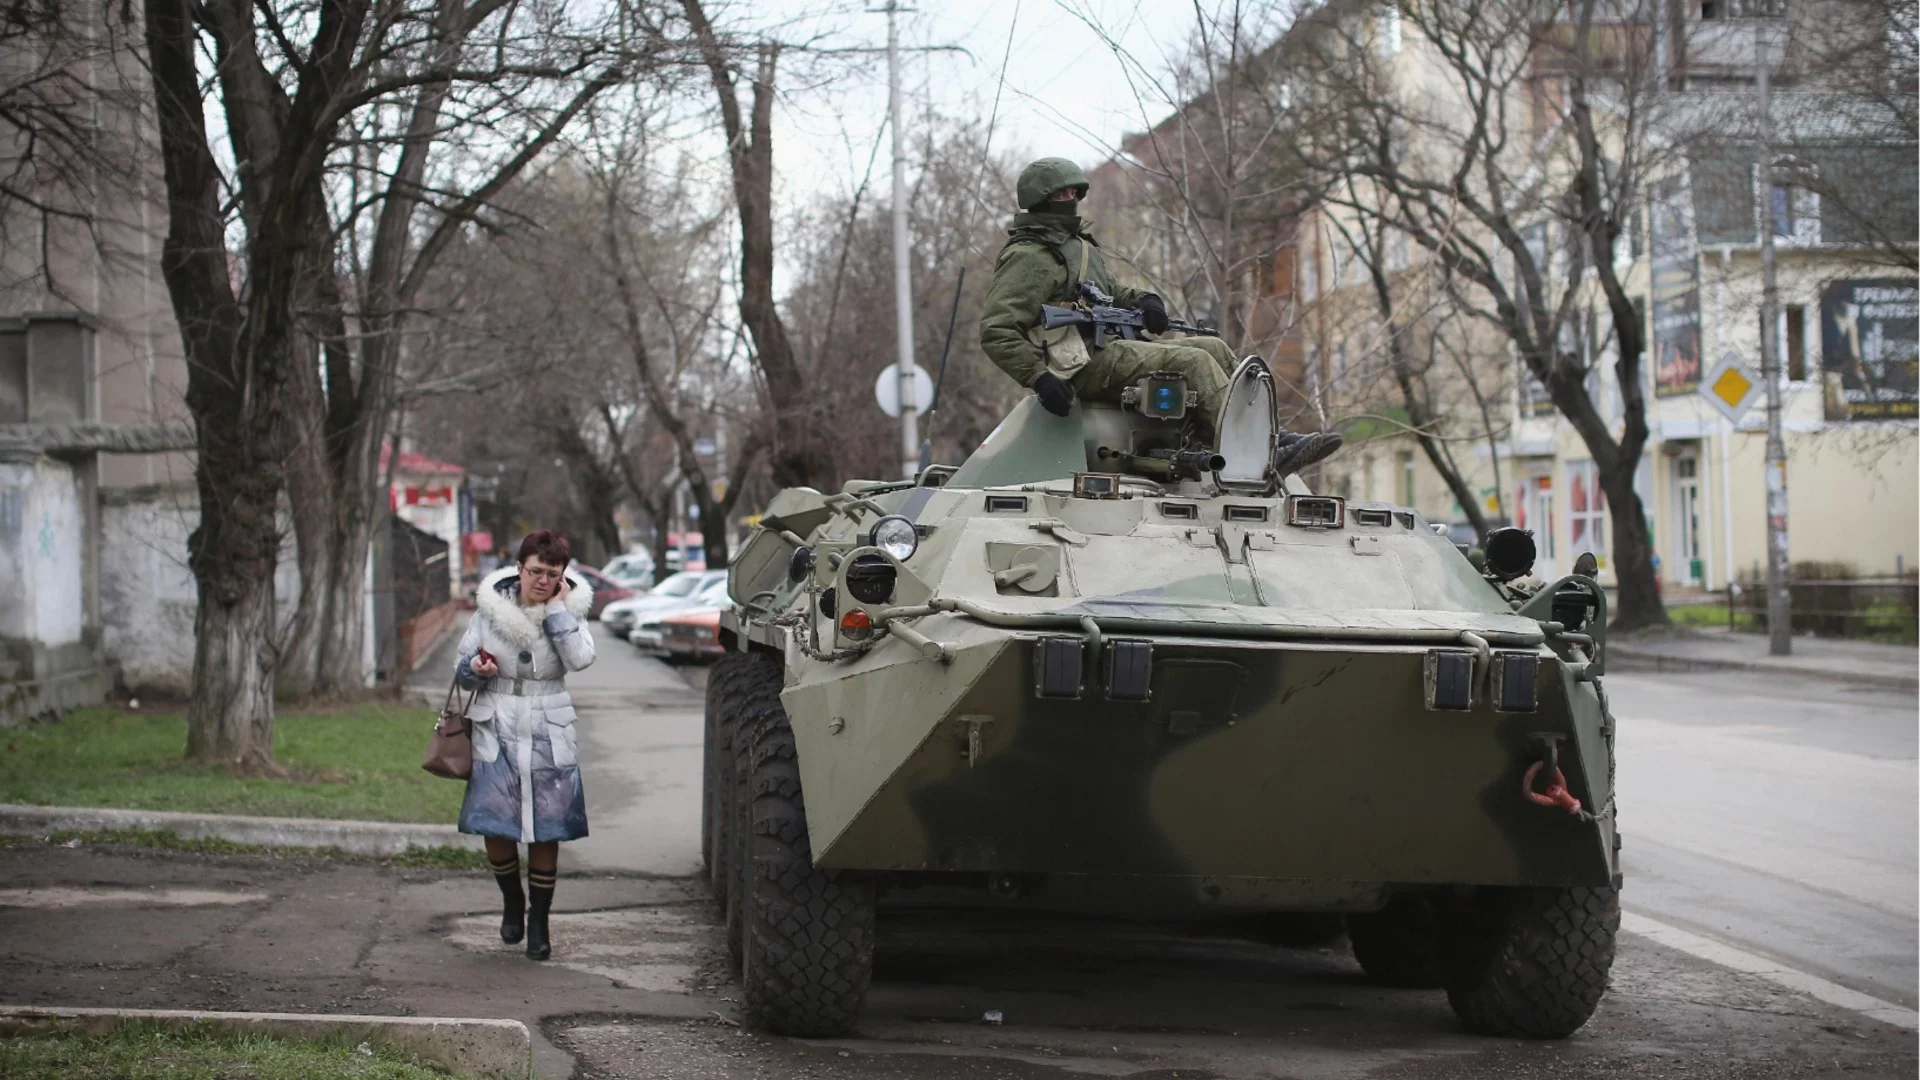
1586, 510
1790, 337
1780, 210
1796, 316
1407, 491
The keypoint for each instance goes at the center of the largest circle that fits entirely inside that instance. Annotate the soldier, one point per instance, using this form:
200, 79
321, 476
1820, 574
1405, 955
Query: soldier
1046, 258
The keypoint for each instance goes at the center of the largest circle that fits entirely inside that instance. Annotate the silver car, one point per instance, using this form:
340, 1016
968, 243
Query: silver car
622, 615
647, 635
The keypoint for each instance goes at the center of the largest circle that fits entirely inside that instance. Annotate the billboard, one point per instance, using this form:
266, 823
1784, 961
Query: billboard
1869, 345
1676, 293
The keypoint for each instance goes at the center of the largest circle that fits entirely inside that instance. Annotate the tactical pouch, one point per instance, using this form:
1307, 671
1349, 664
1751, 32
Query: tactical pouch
1064, 347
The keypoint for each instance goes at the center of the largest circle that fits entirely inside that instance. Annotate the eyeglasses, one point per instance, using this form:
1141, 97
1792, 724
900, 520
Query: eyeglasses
543, 574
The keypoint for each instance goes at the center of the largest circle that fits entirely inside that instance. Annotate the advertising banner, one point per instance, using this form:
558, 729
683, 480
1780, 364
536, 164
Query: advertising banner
1676, 294
1869, 345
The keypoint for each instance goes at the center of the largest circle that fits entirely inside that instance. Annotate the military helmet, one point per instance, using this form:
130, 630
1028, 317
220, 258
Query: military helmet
1046, 176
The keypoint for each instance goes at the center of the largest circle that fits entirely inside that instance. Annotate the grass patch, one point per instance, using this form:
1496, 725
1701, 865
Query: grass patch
1698, 615
415, 858
152, 1052
1883, 621
360, 763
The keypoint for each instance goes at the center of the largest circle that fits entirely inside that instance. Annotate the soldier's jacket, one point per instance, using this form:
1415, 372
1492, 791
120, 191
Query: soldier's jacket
1044, 261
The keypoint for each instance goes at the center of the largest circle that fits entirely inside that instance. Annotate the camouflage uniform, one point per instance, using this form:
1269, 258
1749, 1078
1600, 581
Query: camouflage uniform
1041, 264
1046, 257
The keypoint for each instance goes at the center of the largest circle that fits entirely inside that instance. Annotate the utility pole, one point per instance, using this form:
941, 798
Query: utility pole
1779, 598
902, 274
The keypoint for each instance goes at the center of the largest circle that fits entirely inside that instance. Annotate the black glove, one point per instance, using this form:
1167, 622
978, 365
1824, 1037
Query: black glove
1153, 312
1055, 395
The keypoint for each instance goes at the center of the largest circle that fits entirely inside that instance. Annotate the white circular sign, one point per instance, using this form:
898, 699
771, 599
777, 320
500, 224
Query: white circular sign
886, 389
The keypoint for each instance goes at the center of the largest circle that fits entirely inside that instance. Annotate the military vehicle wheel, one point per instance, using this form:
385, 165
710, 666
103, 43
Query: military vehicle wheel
807, 935
739, 805
1531, 962
1399, 945
722, 716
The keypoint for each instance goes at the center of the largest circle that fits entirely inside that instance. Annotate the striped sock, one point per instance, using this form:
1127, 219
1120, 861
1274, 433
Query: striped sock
506, 868
542, 881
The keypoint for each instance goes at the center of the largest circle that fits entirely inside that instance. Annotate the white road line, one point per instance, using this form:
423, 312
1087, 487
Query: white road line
1771, 970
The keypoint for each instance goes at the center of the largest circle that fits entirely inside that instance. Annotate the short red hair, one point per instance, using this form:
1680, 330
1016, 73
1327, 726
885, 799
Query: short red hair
553, 548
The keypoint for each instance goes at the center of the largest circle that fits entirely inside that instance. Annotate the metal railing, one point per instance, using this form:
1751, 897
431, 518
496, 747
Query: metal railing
1886, 609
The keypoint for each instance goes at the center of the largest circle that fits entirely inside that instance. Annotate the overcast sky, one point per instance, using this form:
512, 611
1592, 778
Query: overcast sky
1064, 91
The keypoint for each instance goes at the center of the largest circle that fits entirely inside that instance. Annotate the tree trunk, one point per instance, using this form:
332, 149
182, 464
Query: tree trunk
1638, 603
230, 717
800, 457
307, 496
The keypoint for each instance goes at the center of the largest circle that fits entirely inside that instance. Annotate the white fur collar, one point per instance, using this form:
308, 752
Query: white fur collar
498, 598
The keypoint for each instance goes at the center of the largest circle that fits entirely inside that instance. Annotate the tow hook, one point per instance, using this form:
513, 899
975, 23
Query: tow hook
1556, 793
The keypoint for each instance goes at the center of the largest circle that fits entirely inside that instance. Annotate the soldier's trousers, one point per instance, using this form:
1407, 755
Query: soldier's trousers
1206, 362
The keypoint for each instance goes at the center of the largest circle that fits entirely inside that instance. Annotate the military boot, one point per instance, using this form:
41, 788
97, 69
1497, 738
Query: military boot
1301, 449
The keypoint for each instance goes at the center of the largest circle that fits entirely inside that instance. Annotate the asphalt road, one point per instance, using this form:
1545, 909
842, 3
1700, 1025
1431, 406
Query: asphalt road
1777, 815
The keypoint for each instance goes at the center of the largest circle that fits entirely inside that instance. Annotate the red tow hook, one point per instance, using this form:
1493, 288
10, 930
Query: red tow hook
1556, 793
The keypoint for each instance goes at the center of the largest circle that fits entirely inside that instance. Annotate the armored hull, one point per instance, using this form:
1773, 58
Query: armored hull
1101, 692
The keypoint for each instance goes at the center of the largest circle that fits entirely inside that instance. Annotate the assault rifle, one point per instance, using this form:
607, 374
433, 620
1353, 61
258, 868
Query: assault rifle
1105, 317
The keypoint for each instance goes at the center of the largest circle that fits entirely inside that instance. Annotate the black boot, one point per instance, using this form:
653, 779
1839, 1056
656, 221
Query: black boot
1299, 450
540, 901
513, 903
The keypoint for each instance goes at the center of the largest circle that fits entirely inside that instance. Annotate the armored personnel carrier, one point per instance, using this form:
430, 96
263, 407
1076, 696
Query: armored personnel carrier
1096, 668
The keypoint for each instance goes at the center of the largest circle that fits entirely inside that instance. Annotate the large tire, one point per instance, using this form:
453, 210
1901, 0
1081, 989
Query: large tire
807, 935
1399, 945
722, 717
1531, 962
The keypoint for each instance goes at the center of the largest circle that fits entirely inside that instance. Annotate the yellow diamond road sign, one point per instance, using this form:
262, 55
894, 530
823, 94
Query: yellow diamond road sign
1731, 387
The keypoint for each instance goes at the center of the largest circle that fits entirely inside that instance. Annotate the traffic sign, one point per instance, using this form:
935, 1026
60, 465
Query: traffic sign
1731, 387
705, 447
886, 389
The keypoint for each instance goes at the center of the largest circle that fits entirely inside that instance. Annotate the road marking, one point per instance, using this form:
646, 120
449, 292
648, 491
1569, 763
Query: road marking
1771, 970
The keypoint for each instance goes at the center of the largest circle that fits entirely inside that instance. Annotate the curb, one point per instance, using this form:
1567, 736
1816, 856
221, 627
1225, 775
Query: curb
495, 1049
353, 837
1627, 658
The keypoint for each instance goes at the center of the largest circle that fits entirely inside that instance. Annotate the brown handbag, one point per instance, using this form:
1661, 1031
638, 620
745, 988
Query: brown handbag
450, 753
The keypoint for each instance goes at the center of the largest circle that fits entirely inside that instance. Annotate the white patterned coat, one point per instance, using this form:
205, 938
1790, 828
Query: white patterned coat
526, 755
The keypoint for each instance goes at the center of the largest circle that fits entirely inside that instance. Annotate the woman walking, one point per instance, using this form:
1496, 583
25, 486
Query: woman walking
525, 636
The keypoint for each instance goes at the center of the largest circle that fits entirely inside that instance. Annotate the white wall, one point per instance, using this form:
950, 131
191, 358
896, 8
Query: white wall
42, 545
147, 594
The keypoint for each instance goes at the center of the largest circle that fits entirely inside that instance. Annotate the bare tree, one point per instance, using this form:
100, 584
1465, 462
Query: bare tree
473, 94
1519, 176
238, 335
799, 457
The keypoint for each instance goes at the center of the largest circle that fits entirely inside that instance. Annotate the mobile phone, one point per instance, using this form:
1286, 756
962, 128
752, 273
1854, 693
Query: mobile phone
487, 656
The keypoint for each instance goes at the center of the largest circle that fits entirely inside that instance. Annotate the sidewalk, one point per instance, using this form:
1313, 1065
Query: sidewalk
1864, 663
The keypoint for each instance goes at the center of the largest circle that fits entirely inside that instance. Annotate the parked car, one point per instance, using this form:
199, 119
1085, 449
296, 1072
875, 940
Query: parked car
634, 569
649, 634
621, 617
605, 589
692, 637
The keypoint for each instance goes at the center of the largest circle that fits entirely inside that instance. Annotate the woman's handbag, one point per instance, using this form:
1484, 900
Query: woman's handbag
450, 754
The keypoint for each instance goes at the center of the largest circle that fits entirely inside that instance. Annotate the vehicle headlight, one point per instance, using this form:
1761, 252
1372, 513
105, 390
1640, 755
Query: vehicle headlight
896, 536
